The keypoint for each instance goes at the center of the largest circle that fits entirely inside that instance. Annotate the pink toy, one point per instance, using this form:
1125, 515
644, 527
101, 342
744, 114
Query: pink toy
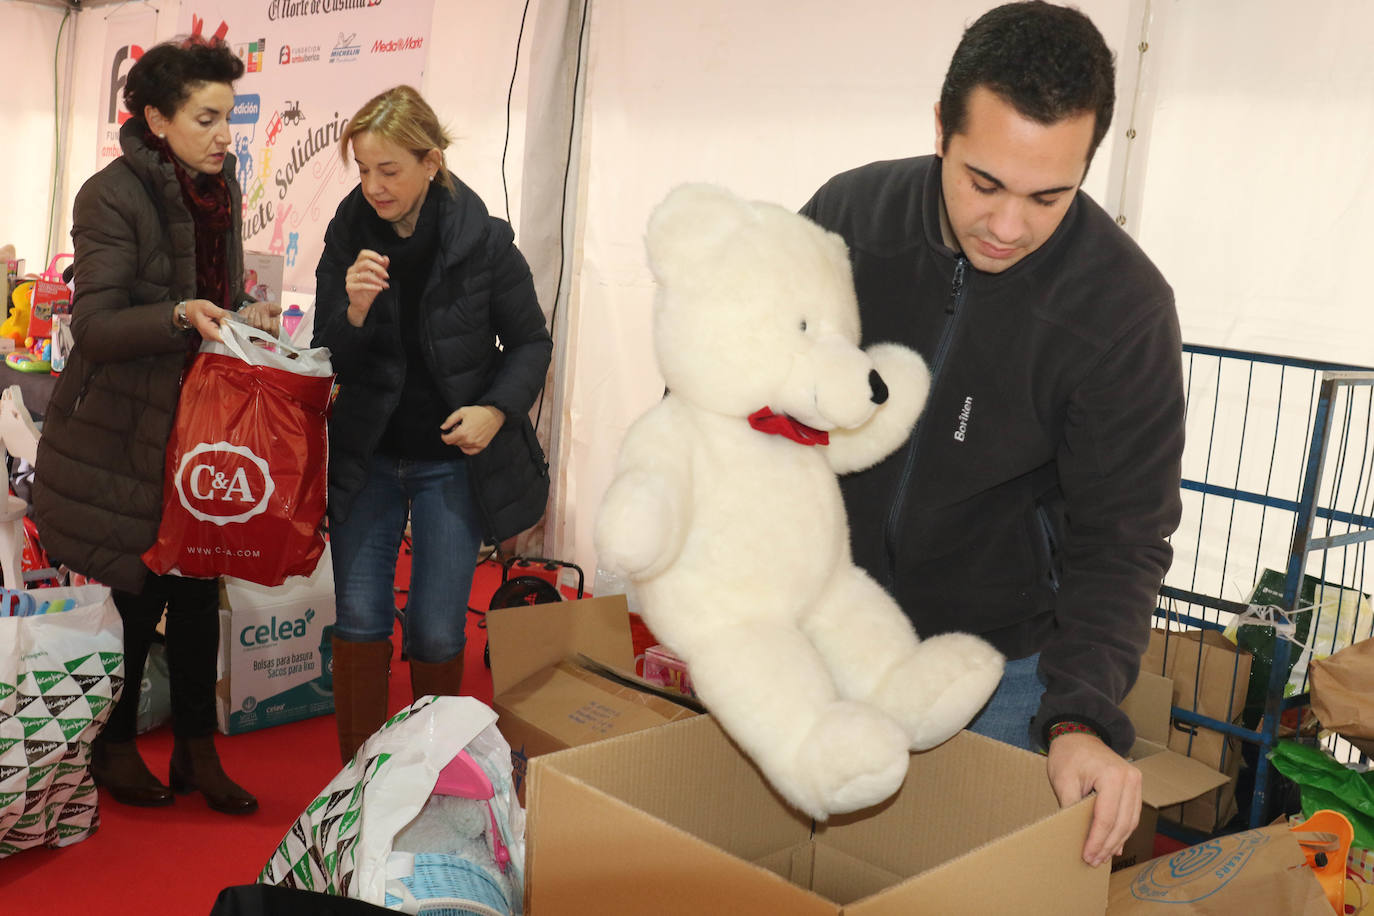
464, 778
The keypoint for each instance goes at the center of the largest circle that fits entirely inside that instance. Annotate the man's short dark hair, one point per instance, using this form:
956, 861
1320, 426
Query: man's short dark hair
166, 75
1048, 62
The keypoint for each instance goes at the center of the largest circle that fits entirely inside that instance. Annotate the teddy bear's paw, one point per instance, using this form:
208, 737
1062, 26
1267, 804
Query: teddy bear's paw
905, 382
853, 757
941, 687
632, 526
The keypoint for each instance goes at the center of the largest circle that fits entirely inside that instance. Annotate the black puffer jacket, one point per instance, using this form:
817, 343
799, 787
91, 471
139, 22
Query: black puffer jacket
479, 290
1034, 502
97, 494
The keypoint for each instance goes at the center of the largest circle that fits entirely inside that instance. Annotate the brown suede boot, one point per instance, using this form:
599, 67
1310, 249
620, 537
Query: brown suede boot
196, 767
437, 678
360, 672
117, 767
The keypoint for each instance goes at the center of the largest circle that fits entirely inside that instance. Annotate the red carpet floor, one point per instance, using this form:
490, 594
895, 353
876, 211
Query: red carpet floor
175, 860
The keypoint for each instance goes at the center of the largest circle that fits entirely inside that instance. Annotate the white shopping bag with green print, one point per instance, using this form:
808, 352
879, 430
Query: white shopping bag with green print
346, 841
60, 675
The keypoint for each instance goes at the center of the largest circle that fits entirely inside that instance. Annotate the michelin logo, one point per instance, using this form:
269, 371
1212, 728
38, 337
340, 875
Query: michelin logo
961, 432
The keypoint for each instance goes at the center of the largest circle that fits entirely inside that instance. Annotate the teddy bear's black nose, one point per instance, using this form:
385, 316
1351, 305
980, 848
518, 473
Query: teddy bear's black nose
878, 386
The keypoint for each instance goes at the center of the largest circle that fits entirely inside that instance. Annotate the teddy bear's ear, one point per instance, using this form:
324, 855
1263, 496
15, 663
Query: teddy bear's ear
687, 229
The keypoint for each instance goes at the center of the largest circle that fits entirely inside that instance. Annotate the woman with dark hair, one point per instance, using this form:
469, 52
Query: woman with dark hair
158, 266
430, 315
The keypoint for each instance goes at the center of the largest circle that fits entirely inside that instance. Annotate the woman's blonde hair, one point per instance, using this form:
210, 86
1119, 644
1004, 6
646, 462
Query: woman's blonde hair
400, 115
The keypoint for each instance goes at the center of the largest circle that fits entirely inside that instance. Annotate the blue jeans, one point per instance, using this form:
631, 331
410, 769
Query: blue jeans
445, 534
1007, 716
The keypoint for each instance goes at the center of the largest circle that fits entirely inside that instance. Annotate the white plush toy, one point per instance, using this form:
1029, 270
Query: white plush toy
725, 511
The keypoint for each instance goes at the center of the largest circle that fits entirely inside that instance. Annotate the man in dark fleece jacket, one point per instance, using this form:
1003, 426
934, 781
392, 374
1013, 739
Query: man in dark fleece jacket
1033, 503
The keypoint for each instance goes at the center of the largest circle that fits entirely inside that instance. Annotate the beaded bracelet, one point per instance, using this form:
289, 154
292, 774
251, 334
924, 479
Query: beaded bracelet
1065, 728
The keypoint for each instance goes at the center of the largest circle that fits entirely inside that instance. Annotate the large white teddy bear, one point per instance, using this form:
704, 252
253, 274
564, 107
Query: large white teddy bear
726, 515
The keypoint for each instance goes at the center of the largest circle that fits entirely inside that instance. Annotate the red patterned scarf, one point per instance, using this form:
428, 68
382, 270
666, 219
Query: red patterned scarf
207, 197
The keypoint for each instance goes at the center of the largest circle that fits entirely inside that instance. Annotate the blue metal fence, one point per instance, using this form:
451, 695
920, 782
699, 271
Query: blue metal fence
1278, 488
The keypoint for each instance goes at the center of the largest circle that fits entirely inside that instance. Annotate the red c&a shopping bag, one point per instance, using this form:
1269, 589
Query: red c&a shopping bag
244, 491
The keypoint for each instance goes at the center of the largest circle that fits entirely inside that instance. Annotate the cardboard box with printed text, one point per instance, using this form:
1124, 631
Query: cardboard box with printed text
562, 676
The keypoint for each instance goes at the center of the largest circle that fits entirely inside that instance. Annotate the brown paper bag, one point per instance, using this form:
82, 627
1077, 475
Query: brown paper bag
1214, 685
1257, 871
1343, 693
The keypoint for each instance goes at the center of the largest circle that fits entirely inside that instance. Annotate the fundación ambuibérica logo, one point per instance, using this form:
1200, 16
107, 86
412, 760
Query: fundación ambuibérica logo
223, 483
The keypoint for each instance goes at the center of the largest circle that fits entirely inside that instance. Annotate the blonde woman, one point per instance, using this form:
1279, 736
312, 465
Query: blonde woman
416, 286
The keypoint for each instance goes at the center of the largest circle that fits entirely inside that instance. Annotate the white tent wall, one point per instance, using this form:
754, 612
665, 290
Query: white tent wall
28, 124
1246, 180
1261, 179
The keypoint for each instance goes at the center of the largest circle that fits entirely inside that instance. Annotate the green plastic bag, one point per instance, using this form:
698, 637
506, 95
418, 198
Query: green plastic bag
1326, 783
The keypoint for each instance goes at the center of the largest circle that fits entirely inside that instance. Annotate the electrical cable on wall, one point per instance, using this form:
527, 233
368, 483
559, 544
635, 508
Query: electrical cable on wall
510, 91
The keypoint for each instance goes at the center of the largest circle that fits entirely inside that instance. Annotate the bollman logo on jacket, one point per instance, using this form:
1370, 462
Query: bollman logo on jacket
222, 483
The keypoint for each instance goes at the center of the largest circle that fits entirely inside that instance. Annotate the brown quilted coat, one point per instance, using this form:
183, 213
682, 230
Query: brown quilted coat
97, 496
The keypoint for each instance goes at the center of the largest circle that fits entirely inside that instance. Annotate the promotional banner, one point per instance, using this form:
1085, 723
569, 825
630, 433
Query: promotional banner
126, 35
308, 65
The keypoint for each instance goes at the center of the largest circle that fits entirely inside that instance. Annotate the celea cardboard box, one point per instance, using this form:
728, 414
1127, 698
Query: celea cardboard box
274, 650
562, 676
676, 820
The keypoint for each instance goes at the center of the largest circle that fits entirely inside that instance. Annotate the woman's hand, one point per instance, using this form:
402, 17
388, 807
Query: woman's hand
265, 316
363, 281
471, 428
205, 317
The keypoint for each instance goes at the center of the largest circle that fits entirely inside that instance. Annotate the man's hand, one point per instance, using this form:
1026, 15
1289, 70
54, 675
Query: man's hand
1081, 763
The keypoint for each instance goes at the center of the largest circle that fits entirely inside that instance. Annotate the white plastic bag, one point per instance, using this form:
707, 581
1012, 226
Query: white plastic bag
240, 339
343, 843
60, 675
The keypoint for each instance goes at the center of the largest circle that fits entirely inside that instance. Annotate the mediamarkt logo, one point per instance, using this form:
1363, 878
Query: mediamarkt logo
222, 483
410, 43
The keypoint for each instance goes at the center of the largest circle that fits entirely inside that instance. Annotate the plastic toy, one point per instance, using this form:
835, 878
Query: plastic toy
37, 357
16, 326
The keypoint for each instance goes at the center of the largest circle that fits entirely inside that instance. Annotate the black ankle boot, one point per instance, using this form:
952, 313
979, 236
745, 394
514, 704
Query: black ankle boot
196, 767
117, 767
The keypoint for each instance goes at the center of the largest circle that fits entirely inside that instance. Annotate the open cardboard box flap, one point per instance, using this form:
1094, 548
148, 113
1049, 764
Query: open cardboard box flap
527, 639
1169, 778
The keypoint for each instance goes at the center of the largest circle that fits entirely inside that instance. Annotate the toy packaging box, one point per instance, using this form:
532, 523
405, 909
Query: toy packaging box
662, 667
275, 659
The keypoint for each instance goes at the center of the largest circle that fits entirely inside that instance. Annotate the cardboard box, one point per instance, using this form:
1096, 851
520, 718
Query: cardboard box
1169, 778
676, 819
274, 650
1210, 674
561, 676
